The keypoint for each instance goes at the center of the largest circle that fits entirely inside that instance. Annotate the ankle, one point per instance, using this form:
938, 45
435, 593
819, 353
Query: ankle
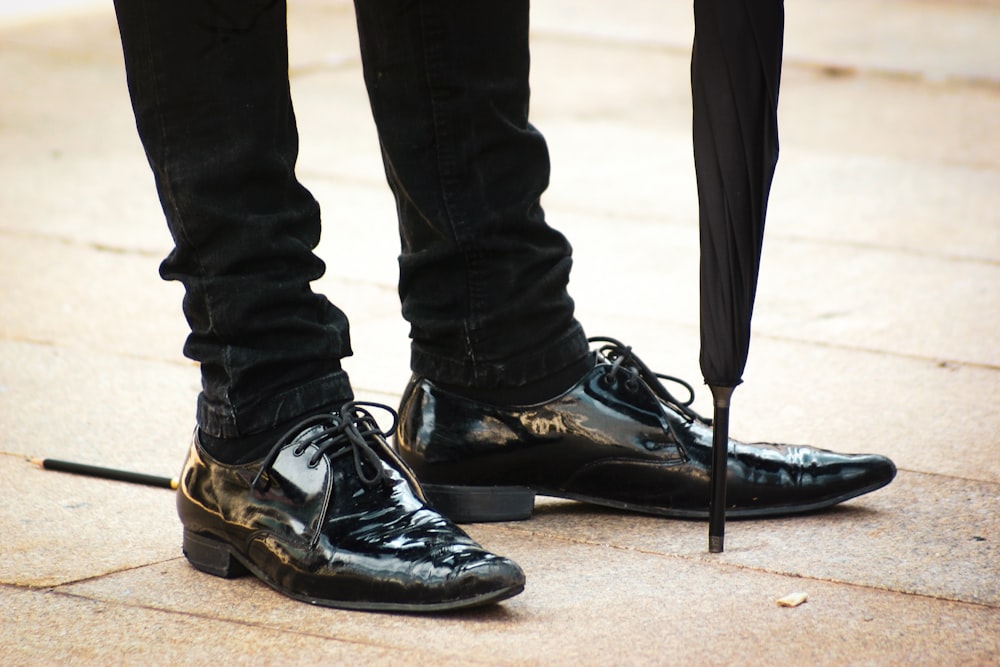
247, 448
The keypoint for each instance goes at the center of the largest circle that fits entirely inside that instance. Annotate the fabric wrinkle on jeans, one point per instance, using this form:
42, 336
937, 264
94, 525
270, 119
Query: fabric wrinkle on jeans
482, 275
454, 81
209, 85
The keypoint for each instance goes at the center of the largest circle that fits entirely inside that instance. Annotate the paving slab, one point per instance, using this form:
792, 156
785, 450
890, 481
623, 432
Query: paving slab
935, 40
89, 298
16, 13
914, 411
358, 214
566, 617
875, 298
114, 408
866, 297
102, 409
885, 205
950, 208
896, 539
69, 146
54, 628
75, 527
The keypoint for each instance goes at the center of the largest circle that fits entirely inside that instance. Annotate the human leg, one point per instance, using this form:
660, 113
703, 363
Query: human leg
319, 507
209, 87
450, 100
483, 277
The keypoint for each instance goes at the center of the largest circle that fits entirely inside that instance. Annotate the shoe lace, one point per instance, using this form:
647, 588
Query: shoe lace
344, 432
625, 363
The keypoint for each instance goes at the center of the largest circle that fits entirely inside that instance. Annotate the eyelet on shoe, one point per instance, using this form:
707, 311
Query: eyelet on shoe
262, 483
298, 451
313, 463
632, 385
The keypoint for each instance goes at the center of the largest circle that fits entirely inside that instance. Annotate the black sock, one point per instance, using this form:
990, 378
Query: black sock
244, 449
538, 391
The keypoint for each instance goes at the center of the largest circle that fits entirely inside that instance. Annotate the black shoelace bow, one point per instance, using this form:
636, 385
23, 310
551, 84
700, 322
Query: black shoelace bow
343, 432
625, 363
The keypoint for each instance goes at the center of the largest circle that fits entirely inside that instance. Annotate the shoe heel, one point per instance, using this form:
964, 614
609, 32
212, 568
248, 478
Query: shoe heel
211, 556
477, 504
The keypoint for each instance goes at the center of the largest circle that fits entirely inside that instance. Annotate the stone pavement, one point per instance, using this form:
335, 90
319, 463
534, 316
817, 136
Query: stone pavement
877, 328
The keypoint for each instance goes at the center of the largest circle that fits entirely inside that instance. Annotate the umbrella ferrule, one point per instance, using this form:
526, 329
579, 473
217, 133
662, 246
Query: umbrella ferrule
721, 395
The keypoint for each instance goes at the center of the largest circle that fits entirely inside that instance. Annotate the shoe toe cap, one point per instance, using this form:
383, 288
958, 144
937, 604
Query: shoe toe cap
490, 576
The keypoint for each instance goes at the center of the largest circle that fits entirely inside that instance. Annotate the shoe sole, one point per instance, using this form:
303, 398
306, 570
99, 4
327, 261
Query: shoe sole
487, 504
215, 557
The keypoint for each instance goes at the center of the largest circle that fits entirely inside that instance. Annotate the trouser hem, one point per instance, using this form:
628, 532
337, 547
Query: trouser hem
227, 421
528, 367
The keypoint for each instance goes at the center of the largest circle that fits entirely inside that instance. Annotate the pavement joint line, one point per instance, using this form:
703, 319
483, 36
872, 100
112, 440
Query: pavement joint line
835, 71
278, 627
373, 183
86, 244
159, 255
700, 559
91, 349
830, 69
458, 615
945, 363
593, 39
707, 559
96, 577
883, 248
363, 282
953, 364
957, 478
322, 66
556, 208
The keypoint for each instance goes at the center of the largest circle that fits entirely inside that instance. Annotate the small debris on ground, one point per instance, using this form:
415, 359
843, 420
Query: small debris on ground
792, 599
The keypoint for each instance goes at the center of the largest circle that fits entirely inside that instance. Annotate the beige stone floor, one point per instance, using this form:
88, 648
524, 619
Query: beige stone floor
877, 328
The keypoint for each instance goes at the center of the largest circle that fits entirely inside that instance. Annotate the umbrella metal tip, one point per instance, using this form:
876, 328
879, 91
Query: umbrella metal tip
715, 544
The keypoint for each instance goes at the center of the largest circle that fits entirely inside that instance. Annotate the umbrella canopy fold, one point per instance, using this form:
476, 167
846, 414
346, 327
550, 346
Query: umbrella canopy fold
735, 76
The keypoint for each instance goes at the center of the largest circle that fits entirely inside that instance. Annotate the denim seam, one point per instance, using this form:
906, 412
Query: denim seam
449, 186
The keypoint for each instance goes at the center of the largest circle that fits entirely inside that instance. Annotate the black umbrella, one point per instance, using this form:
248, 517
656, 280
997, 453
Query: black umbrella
735, 72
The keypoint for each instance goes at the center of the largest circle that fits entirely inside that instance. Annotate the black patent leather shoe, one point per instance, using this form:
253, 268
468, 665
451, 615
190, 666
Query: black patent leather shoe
617, 438
332, 517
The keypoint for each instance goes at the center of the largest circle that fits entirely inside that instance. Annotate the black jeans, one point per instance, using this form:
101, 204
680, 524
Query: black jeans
482, 276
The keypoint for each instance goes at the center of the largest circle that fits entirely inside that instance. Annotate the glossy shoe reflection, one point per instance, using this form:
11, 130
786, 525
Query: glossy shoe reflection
617, 438
332, 517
